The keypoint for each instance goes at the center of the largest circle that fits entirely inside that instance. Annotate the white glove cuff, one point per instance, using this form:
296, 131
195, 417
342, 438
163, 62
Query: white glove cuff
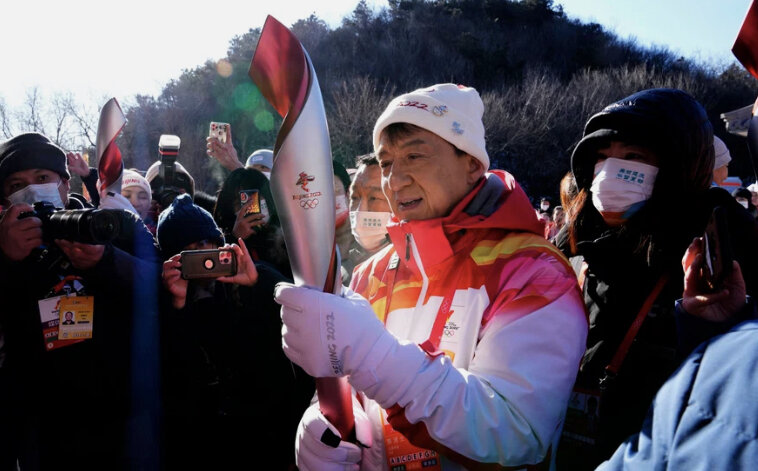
389, 370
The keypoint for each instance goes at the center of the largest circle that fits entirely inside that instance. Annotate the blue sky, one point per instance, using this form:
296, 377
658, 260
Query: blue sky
94, 50
699, 29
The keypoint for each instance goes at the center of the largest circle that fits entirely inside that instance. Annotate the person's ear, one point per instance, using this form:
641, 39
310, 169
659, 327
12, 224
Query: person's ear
475, 169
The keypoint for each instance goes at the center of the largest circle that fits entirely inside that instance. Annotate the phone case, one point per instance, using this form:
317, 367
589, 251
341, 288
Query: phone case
219, 130
246, 196
202, 264
718, 250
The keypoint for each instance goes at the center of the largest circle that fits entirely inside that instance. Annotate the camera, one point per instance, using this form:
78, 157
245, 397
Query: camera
168, 148
213, 263
88, 226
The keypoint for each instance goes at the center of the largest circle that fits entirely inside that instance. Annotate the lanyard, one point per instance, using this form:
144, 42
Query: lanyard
430, 345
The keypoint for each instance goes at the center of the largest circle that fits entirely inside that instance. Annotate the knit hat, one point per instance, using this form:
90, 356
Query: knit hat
453, 112
28, 151
132, 178
182, 177
263, 157
183, 223
722, 153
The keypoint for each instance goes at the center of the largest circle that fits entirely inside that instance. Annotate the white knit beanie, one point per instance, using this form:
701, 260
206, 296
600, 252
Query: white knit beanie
132, 178
722, 153
453, 112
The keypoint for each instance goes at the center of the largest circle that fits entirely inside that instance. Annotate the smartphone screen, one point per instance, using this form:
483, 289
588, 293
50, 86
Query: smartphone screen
252, 197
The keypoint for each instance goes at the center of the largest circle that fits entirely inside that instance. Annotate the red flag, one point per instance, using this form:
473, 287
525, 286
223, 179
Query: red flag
745, 47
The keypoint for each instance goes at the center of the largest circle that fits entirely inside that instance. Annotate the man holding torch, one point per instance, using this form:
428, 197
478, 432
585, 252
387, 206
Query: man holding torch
462, 338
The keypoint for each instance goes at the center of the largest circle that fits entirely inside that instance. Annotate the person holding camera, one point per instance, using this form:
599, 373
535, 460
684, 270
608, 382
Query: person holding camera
51, 257
229, 389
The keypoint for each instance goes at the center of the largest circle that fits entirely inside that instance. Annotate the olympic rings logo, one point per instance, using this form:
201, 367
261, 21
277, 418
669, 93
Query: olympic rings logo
308, 204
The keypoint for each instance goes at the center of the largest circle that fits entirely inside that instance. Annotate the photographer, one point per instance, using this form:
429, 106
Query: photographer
224, 370
39, 273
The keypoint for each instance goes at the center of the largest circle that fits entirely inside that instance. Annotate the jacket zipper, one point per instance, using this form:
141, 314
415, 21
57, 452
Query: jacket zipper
411, 246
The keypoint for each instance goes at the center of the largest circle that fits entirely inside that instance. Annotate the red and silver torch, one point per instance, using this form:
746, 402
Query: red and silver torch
110, 164
302, 182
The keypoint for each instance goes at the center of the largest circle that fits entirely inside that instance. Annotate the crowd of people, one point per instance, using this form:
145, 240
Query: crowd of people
474, 329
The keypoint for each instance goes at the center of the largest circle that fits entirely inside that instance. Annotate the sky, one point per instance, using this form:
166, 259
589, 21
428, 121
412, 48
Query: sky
95, 50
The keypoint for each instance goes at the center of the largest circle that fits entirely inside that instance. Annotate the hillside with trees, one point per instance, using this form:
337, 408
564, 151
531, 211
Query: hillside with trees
540, 74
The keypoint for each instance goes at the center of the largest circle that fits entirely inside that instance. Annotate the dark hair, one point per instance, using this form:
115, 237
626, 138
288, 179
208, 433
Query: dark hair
366, 159
242, 179
397, 131
342, 174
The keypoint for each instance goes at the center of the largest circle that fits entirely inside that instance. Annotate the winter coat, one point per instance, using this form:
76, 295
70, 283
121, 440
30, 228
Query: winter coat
704, 416
83, 406
618, 267
514, 336
229, 391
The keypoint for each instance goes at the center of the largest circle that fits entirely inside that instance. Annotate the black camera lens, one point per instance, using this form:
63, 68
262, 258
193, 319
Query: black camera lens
88, 226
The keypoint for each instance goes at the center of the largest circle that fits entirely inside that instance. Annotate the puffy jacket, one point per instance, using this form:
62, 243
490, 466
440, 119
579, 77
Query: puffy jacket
515, 334
704, 416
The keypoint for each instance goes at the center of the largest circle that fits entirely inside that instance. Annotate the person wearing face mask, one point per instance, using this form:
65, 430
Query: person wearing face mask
369, 214
261, 230
136, 189
638, 158
111, 286
261, 160
343, 234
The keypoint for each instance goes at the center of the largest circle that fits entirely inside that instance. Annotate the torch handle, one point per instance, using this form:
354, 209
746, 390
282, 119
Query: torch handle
336, 404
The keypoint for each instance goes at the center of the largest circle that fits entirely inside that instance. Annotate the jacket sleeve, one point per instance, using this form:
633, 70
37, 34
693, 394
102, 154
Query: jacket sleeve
507, 407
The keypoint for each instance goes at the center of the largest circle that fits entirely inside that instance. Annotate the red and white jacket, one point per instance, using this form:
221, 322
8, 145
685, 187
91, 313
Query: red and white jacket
514, 331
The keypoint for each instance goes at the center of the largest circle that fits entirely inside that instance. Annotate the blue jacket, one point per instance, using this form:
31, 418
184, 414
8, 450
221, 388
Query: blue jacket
705, 417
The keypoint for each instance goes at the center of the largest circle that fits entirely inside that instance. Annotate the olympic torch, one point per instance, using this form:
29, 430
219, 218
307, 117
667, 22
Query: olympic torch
110, 164
302, 182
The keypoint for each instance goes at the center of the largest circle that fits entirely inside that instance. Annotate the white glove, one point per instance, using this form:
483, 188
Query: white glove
318, 445
328, 335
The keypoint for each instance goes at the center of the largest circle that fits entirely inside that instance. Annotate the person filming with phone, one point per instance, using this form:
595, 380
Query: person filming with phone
638, 158
224, 369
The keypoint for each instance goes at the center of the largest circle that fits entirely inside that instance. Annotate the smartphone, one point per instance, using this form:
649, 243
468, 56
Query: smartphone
246, 196
213, 263
219, 130
718, 251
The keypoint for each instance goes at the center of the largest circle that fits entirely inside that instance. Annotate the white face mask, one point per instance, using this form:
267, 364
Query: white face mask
268, 174
545, 206
621, 187
743, 202
38, 192
369, 228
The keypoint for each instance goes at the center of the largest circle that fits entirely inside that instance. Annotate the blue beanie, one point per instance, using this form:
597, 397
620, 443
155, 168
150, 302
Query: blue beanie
28, 151
184, 223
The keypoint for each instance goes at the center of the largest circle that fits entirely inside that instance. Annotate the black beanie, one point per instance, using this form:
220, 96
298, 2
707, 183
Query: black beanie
28, 151
183, 223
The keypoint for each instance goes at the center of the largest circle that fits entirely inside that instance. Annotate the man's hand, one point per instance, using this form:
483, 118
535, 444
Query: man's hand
224, 152
246, 275
82, 256
77, 165
247, 225
715, 307
173, 281
18, 237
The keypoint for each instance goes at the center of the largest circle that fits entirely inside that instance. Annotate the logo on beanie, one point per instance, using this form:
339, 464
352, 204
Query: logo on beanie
303, 180
439, 110
414, 104
457, 128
